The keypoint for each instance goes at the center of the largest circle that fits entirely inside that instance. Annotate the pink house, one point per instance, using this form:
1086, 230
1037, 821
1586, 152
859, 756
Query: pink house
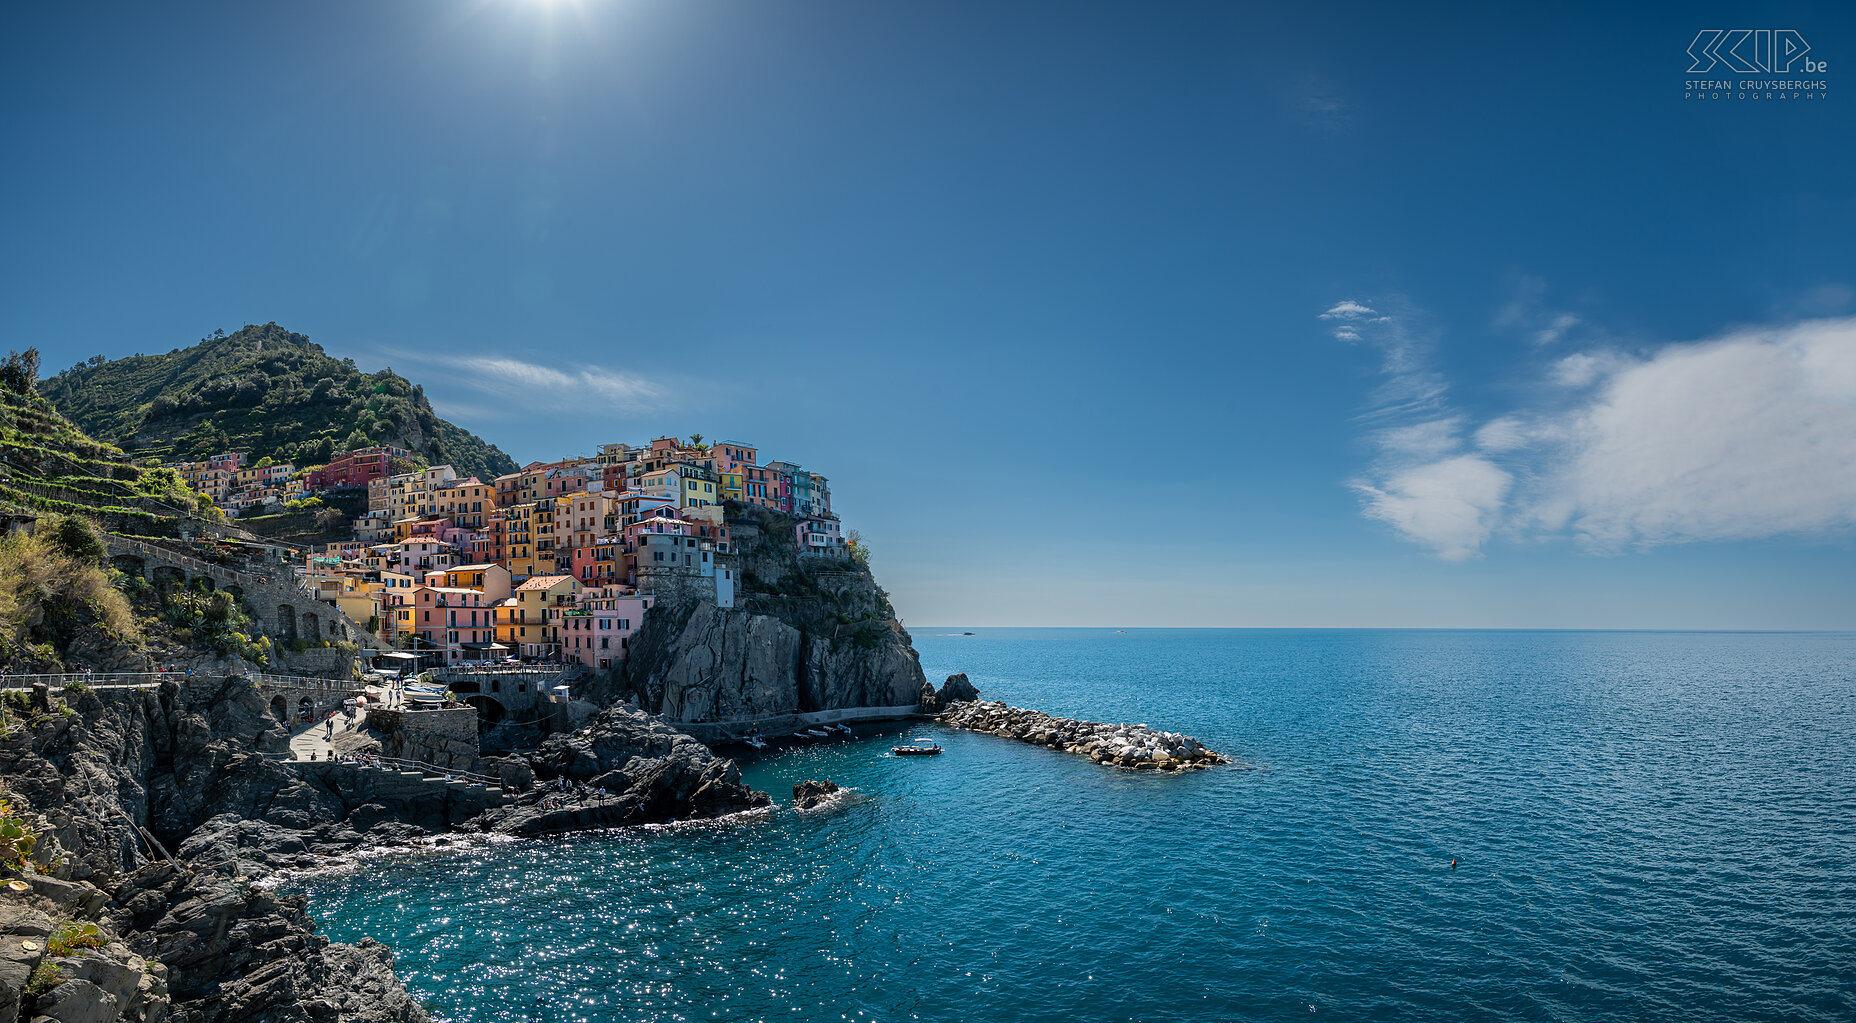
598, 631
458, 624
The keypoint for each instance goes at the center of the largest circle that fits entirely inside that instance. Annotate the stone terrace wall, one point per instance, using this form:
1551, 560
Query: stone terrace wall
442, 738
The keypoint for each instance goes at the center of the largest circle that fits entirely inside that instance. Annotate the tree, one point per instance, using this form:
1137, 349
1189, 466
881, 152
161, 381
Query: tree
20, 373
859, 551
76, 537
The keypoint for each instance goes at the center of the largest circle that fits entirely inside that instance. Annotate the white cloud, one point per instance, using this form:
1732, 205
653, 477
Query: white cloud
1348, 310
1450, 505
1431, 438
1745, 436
1751, 435
1505, 433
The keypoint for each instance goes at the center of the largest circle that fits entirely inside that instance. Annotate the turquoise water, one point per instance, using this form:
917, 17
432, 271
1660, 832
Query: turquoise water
1648, 826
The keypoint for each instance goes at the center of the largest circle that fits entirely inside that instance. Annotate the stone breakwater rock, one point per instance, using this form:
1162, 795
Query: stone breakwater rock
808, 794
627, 767
1131, 747
957, 689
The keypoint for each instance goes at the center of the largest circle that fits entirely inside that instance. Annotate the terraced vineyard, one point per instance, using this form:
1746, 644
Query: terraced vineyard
48, 465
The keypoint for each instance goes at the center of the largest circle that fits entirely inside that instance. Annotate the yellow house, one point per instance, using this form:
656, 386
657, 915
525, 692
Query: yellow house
465, 502
519, 541
697, 493
730, 486
491, 580
539, 604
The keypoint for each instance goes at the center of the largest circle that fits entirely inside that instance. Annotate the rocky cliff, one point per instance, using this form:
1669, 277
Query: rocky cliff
137, 796
808, 634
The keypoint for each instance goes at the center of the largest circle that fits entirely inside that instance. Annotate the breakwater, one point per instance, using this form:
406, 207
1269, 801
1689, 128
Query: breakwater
1130, 747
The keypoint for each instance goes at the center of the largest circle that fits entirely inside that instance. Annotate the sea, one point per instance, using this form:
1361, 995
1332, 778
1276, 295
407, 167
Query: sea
1419, 825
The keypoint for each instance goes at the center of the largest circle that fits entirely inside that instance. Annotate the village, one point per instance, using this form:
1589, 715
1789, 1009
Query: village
556, 563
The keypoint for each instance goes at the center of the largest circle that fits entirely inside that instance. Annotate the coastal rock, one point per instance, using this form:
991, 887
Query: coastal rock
1129, 747
808, 794
698, 662
122, 778
809, 632
626, 767
956, 690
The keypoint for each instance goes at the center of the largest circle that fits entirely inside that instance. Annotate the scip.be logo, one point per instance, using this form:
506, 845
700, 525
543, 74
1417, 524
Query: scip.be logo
1750, 51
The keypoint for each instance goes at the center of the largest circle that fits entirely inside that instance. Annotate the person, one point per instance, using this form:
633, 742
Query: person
331, 732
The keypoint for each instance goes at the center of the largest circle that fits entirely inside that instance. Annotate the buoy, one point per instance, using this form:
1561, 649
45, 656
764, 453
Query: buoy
1452, 863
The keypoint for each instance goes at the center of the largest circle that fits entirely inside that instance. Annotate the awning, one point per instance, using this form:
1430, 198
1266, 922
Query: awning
400, 655
496, 646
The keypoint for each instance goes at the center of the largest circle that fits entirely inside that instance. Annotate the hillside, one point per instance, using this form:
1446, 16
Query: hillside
48, 466
265, 391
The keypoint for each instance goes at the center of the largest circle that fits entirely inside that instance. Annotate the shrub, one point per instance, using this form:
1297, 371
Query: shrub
44, 977
73, 937
18, 839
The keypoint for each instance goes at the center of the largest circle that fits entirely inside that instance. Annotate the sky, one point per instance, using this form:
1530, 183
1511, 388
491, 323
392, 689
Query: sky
1113, 314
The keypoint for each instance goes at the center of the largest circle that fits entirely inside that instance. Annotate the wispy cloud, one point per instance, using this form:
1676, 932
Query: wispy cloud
1423, 483
1747, 435
1528, 310
531, 386
502, 375
1317, 101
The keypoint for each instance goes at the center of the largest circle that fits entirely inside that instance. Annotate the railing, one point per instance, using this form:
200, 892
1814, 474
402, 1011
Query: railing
498, 669
432, 772
95, 680
301, 682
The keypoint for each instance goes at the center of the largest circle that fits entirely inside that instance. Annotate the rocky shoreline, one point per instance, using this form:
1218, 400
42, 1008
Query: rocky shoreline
1129, 747
109, 787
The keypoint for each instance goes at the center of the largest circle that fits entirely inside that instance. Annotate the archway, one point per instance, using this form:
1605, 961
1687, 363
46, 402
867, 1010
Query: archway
166, 576
312, 627
280, 709
490, 713
286, 622
130, 564
305, 709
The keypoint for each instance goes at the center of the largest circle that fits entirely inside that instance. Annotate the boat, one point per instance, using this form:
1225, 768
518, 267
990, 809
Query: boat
755, 742
816, 734
917, 750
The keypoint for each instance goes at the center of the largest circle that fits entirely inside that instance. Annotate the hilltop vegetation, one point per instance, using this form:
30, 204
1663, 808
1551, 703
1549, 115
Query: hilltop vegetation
49, 466
266, 391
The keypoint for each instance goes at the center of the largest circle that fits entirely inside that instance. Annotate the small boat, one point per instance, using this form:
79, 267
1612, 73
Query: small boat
840, 729
755, 742
802, 737
816, 734
917, 750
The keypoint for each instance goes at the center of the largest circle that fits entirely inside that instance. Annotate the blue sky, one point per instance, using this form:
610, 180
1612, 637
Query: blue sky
1095, 314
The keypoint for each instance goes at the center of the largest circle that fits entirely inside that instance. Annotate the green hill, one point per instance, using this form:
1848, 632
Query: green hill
262, 390
48, 466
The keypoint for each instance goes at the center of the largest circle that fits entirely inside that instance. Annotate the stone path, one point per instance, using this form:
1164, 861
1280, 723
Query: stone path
310, 739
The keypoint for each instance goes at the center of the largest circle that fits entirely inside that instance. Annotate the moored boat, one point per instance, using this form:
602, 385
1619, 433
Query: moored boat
917, 750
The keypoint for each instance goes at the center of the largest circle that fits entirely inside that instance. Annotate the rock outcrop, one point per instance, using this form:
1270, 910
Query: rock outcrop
808, 634
117, 781
1131, 747
626, 767
957, 689
808, 794
699, 662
